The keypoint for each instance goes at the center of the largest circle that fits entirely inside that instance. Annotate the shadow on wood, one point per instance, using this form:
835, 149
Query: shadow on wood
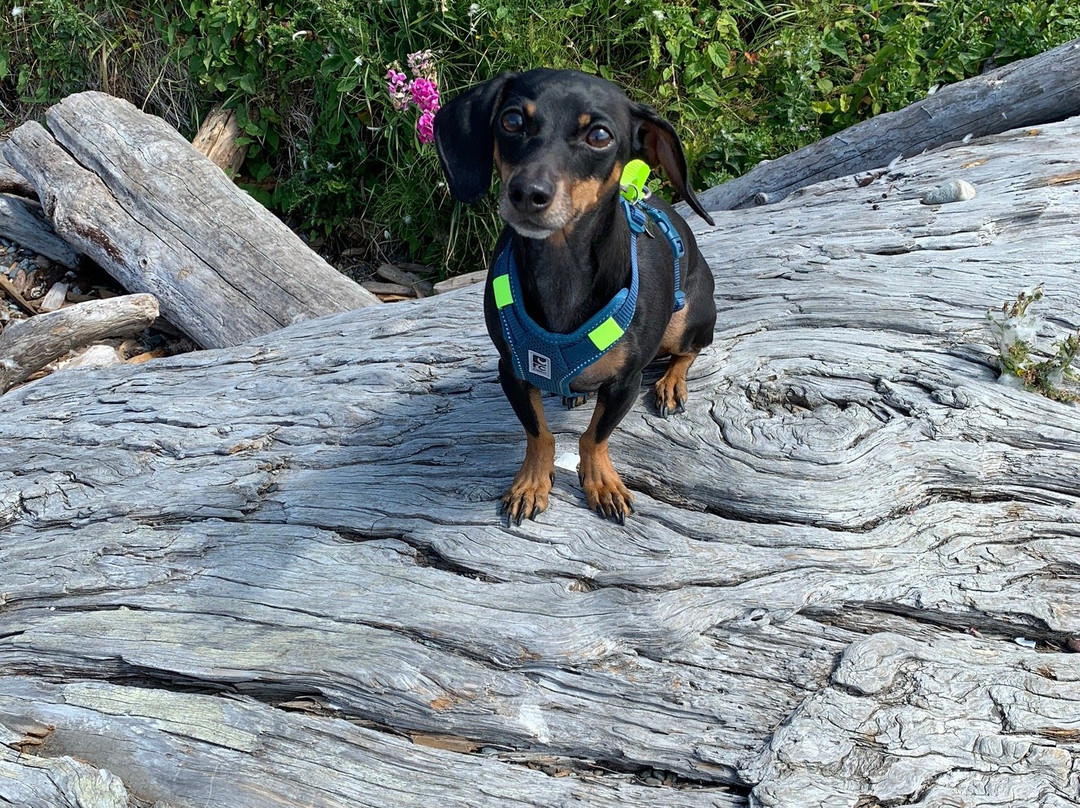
259, 572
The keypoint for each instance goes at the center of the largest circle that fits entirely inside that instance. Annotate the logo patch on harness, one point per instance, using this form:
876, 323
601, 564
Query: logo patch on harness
539, 364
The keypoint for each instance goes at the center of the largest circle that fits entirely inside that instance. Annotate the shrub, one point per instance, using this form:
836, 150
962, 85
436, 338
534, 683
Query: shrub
743, 80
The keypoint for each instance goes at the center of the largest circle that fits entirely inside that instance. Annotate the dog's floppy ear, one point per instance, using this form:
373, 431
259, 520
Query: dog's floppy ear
464, 139
655, 140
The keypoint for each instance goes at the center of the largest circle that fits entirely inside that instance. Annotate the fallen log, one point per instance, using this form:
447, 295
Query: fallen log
29, 345
127, 190
22, 221
275, 573
14, 183
218, 139
1025, 93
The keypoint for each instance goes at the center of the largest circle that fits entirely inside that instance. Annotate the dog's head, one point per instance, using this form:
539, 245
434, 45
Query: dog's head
559, 140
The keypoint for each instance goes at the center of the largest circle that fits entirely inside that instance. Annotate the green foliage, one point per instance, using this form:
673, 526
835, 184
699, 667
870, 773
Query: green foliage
743, 80
1015, 332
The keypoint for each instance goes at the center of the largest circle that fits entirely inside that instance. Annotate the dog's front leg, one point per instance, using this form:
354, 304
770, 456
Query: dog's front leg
528, 495
604, 490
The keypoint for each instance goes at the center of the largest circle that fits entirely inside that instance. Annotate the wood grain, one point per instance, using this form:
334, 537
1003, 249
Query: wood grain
127, 190
1027, 92
26, 346
22, 221
248, 576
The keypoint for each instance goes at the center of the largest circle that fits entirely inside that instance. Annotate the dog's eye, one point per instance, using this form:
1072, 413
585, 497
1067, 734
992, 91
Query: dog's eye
512, 121
599, 137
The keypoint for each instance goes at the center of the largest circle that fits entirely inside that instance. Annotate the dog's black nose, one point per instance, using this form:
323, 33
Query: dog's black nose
530, 194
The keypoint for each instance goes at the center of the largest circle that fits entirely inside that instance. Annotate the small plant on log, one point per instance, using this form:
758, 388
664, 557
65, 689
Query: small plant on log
1015, 330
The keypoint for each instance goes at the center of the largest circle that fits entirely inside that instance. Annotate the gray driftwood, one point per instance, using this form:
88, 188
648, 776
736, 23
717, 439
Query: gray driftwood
274, 574
22, 221
12, 182
1027, 92
29, 345
126, 189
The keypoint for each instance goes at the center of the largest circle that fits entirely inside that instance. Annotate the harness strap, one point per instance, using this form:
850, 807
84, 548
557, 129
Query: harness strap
678, 249
550, 360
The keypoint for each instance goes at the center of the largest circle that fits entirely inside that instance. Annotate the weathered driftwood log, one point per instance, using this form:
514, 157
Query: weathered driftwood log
29, 345
274, 573
126, 189
12, 182
1030, 91
218, 139
22, 221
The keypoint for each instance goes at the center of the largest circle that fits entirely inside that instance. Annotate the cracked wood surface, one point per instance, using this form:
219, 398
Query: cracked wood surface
126, 189
28, 345
272, 574
1027, 92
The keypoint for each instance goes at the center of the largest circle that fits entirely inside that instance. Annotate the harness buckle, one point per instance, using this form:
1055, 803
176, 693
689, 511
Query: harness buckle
635, 216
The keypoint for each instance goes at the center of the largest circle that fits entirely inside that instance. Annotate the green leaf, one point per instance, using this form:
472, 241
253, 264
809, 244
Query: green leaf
346, 84
718, 54
833, 42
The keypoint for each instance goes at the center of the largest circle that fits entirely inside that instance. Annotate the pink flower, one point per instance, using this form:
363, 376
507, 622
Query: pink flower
422, 64
397, 88
422, 90
425, 127
425, 94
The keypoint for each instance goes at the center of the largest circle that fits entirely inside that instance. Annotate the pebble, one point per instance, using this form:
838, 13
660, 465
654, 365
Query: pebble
13, 258
952, 191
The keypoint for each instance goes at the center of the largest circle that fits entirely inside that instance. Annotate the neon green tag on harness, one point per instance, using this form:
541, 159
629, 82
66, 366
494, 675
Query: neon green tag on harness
504, 295
634, 176
606, 334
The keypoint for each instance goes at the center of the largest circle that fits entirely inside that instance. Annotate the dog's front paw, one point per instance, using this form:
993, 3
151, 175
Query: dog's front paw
528, 496
671, 389
604, 489
670, 396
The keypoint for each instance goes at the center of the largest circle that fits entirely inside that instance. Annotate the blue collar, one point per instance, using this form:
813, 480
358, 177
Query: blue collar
550, 360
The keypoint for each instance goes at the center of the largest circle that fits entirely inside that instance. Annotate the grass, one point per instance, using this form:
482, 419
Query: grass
743, 80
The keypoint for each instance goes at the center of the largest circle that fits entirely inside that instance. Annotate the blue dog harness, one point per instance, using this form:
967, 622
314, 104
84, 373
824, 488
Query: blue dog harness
550, 360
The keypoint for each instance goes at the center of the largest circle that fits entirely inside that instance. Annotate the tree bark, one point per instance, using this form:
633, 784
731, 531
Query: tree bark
275, 572
126, 189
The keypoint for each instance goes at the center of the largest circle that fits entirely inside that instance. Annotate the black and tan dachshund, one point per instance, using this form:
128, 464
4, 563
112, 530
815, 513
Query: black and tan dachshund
560, 141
